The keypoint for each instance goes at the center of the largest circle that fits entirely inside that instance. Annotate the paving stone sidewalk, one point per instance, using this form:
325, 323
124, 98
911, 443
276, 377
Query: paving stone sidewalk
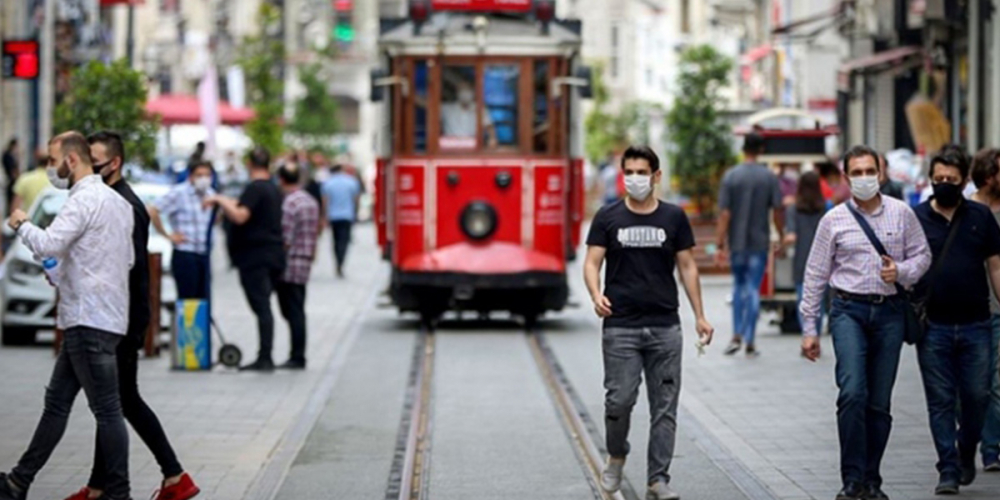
777, 413
223, 424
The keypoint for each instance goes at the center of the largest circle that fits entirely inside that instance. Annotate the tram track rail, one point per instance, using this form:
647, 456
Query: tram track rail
409, 477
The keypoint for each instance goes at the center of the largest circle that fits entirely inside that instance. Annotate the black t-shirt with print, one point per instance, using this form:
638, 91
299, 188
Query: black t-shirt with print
640, 261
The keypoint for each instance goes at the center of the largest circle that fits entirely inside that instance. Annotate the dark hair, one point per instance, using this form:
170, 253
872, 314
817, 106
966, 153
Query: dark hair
200, 164
111, 141
985, 167
200, 146
11, 143
260, 158
826, 169
642, 153
73, 142
858, 151
809, 198
290, 173
753, 143
951, 155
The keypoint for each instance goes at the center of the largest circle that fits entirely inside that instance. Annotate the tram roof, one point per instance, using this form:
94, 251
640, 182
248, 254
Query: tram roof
504, 36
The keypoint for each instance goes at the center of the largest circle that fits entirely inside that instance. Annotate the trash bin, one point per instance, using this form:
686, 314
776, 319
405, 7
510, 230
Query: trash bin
191, 348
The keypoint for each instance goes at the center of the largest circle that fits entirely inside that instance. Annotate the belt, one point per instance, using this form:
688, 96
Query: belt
860, 297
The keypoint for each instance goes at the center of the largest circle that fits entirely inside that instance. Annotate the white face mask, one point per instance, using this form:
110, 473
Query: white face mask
465, 96
864, 188
54, 179
202, 184
638, 186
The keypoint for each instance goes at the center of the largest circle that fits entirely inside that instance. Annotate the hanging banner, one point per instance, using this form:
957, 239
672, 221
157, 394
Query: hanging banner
483, 5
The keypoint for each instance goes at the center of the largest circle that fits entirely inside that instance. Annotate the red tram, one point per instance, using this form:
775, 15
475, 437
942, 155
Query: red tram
479, 185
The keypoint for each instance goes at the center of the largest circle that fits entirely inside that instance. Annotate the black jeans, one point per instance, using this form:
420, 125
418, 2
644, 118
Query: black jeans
142, 419
292, 299
258, 283
341, 230
86, 361
190, 272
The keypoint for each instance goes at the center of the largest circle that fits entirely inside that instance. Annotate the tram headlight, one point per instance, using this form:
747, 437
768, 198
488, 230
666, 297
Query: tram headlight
478, 220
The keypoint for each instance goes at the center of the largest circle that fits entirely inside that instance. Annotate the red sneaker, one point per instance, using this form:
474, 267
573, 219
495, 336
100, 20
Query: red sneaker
83, 494
183, 490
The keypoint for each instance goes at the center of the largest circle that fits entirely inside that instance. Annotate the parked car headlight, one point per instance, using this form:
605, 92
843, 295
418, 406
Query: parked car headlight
21, 270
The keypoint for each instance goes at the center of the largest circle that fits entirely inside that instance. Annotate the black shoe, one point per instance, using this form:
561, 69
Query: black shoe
968, 475
851, 491
947, 486
258, 366
8, 491
732, 348
292, 364
873, 492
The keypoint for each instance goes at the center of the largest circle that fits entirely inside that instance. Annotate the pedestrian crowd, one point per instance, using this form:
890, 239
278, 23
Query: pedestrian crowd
94, 253
884, 274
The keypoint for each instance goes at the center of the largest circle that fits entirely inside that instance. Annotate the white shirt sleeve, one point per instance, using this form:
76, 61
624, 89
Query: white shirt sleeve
67, 227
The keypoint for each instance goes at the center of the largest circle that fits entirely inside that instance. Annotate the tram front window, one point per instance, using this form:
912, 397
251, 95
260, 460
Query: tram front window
458, 110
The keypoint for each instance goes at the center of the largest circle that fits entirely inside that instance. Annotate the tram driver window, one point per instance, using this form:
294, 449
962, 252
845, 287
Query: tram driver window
458, 110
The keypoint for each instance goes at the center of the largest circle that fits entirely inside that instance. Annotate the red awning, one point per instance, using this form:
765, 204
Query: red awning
757, 53
184, 109
887, 58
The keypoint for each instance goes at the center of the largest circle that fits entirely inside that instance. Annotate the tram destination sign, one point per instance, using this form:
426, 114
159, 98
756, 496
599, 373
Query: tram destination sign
482, 5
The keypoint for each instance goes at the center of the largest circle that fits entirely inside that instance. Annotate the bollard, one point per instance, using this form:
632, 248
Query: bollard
152, 344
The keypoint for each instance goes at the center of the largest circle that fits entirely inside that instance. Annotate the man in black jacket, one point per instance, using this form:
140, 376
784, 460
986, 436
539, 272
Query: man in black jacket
108, 155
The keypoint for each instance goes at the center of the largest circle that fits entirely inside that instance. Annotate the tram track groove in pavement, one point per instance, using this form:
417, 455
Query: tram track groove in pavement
575, 419
409, 477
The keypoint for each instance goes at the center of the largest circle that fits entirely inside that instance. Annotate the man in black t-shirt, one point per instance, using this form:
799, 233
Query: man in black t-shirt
258, 250
955, 353
643, 240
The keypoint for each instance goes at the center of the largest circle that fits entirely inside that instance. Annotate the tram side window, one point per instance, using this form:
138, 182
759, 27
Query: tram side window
500, 95
458, 110
420, 71
540, 123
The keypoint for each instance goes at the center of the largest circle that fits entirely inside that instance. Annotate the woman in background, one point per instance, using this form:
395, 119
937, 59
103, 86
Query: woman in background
800, 228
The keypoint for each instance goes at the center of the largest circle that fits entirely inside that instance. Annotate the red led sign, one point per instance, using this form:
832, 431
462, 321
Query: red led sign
20, 59
483, 5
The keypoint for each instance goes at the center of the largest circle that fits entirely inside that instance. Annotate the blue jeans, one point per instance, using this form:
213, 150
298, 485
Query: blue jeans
990, 447
798, 309
748, 272
955, 363
867, 340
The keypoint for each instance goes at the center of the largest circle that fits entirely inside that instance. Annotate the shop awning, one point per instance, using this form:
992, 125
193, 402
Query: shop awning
757, 53
877, 62
184, 109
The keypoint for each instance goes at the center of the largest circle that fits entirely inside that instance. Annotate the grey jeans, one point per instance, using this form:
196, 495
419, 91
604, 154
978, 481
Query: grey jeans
628, 352
87, 361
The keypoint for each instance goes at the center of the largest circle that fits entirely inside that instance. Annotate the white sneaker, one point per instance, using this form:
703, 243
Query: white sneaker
611, 478
660, 490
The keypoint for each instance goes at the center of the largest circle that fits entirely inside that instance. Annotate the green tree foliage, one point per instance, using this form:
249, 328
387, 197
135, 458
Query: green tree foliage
316, 112
701, 141
261, 57
613, 132
110, 97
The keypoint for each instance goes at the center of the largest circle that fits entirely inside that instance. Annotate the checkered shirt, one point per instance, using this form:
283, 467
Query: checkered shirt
842, 256
183, 208
299, 230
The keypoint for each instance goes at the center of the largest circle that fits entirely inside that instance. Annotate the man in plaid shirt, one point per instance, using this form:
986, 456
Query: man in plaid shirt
299, 229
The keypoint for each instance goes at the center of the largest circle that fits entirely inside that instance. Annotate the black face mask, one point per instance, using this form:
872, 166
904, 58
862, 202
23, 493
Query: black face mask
947, 195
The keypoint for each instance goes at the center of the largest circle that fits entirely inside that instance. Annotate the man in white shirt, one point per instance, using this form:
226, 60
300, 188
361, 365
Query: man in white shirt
458, 119
91, 238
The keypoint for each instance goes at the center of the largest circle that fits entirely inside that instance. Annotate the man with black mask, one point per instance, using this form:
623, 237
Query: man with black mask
954, 354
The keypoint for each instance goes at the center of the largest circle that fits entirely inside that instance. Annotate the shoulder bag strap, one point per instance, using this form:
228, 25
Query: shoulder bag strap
872, 238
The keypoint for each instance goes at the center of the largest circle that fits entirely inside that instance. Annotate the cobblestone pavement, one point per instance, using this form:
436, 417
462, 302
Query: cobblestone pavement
223, 424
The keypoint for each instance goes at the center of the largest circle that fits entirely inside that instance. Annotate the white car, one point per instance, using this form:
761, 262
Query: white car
27, 301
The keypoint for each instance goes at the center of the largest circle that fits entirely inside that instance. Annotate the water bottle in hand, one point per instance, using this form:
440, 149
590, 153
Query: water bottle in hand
50, 265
